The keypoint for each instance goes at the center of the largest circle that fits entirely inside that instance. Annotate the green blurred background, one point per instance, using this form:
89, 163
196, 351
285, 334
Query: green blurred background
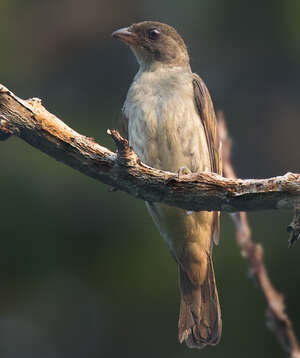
83, 271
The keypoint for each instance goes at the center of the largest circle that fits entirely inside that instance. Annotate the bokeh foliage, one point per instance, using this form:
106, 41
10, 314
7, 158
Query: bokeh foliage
83, 270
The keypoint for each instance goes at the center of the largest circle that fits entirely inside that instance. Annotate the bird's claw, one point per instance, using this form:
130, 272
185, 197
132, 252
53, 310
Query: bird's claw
183, 171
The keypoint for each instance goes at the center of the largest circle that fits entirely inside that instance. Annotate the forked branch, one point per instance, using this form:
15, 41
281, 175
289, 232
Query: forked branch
123, 170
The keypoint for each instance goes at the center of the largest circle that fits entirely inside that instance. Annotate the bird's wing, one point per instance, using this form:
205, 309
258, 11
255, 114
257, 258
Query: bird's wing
208, 118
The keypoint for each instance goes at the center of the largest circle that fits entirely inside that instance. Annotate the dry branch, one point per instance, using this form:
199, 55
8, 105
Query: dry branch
277, 318
30, 121
294, 227
123, 170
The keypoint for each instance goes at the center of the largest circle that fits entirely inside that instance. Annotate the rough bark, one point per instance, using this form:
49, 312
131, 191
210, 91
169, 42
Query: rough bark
123, 170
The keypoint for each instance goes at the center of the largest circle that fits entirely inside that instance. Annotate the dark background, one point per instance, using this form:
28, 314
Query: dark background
83, 271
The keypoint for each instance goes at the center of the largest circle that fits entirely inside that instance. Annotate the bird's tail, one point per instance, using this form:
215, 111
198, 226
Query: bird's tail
200, 321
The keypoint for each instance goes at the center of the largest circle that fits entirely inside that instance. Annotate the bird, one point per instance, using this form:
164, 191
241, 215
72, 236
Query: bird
169, 120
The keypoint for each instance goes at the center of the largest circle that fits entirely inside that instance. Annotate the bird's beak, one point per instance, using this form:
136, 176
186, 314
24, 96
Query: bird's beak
126, 36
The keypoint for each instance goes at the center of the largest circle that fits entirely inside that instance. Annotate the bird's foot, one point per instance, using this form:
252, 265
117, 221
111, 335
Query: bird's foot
183, 171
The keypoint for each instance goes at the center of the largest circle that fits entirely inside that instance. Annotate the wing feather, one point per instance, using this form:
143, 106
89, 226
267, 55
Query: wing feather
208, 118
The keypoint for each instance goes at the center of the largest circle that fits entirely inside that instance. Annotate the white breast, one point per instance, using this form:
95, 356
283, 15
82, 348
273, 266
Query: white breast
164, 127
166, 132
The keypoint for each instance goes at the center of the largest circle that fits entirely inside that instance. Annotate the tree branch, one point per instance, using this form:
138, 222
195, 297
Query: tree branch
277, 319
123, 170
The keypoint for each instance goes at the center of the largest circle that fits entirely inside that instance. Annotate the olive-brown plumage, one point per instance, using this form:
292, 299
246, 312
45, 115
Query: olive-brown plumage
170, 122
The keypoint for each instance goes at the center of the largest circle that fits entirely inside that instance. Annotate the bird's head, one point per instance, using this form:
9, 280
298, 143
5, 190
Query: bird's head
154, 44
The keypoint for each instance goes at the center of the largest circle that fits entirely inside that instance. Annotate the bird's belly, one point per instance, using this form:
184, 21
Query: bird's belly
182, 230
168, 136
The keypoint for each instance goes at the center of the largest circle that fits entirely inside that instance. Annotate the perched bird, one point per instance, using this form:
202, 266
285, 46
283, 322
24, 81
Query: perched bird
170, 122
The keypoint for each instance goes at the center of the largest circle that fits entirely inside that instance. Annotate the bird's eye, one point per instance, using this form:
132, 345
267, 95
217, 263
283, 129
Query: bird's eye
153, 34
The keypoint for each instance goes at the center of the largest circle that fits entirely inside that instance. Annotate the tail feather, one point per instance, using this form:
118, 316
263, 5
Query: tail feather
200, 315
